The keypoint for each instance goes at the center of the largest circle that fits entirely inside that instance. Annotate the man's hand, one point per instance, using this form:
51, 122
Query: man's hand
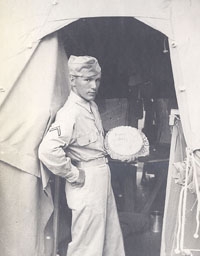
80, 181
128, 161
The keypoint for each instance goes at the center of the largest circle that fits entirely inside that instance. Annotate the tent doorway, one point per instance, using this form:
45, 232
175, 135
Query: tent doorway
137, 76
135, 63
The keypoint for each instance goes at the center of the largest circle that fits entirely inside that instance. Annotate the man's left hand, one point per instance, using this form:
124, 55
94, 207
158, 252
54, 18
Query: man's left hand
80, 181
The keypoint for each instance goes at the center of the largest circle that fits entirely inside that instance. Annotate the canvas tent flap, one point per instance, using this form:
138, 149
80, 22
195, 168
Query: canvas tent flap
29, 108
185, 53
24, 210
185, 56
172, 193
34, 99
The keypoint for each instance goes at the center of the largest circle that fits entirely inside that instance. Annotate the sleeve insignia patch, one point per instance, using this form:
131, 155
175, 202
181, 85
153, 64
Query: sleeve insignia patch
56, 128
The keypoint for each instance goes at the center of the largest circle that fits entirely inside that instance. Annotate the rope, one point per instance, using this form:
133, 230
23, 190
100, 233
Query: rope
191, 169
184, 198
177, 250
196, 235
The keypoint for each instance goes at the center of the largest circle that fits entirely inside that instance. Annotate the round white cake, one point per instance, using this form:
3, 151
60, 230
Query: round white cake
126, 143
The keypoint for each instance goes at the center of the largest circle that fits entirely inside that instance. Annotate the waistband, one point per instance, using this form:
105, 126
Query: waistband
90, 163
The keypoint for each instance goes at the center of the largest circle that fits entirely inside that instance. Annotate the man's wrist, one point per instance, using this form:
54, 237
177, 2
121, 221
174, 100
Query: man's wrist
73, 175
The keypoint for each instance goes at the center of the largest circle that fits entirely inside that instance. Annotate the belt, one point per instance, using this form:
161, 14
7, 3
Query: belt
90, 163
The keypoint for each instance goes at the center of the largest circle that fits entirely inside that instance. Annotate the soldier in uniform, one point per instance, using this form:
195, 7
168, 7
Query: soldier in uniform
74, 149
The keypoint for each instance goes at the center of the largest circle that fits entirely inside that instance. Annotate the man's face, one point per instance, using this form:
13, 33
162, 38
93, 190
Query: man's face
86, 87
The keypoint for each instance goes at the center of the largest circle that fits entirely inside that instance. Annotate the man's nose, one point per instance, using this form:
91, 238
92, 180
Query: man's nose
93, 84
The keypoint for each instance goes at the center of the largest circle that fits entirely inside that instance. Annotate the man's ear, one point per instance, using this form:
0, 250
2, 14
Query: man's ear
72, 80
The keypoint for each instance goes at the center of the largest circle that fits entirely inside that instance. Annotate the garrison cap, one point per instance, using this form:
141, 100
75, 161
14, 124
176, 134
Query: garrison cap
86, 66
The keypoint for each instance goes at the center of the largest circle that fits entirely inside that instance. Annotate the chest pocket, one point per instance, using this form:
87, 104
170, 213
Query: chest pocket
87, 139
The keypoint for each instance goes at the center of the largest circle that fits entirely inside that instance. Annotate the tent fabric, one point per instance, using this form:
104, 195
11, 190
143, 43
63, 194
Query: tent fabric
18, 211
33, 85
177, 154
173, 241
26, 201
185, 55
24, 211
22, 115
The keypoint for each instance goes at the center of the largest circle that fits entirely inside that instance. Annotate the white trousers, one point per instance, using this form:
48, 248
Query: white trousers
95, 225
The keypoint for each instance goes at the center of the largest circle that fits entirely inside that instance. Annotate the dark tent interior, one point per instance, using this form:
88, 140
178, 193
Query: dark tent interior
124, 47
136, 66
135, 62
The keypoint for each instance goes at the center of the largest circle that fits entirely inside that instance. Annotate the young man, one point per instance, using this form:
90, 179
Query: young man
74, 149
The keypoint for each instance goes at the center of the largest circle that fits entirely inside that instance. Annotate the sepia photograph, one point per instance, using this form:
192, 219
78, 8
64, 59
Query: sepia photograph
100, 128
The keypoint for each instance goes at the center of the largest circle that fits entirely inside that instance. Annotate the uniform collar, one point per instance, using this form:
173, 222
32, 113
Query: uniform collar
80, 101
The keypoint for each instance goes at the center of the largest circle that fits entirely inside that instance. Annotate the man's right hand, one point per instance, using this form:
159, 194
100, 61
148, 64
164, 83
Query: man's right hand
80, 181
